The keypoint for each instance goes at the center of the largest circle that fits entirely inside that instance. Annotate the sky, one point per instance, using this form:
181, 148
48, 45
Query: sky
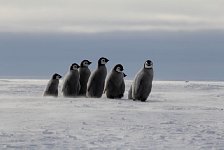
184, 39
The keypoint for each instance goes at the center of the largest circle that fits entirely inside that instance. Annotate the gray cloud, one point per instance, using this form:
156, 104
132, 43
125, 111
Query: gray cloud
110, 15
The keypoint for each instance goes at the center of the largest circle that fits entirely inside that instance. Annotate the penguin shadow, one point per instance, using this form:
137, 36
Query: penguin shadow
115, 99
135, 101
120, 99
154, 101
147, 101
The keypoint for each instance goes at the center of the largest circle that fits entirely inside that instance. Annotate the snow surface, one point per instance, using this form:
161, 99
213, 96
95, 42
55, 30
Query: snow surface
177, 115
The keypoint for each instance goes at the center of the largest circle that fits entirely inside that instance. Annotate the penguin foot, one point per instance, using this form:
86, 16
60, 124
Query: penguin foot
121, 95
143, 100
111, 97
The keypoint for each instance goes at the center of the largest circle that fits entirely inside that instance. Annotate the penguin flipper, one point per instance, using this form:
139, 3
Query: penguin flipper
78, 88
137, 84
139, 90
90, 87
107, 88
49, 89
122, 87
65, 87
130, 93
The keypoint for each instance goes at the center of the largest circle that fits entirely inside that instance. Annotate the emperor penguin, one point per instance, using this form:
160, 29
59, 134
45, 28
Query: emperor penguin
52, 86
71, 85
142, 84
84, 73
115, 83
95, 85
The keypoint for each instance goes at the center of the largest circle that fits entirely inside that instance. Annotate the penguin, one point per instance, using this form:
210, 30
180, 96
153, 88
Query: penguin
84, 73
95, 85
115, 83
52, 86
142, 84
71, 85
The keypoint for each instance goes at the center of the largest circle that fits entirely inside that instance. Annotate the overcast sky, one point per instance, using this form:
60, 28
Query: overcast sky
189, 32
110, 15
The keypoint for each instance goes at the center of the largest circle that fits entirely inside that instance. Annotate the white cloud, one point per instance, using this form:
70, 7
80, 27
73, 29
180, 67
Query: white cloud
109, 15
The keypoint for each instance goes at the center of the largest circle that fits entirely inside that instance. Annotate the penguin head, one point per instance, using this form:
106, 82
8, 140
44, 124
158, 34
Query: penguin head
148, 64
102, 61
118, 68
85, 63
124, 75
74, 66
56, 76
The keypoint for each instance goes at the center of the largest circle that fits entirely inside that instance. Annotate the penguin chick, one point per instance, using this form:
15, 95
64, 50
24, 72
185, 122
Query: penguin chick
95, 85
84, 73
71, 85
142, 84
52, 87
115, 83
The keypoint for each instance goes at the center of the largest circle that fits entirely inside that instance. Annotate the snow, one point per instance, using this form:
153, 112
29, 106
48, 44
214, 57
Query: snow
177, 115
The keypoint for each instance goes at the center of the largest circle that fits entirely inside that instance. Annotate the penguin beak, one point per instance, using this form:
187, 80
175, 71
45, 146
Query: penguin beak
90, 62
58, 77
107, 60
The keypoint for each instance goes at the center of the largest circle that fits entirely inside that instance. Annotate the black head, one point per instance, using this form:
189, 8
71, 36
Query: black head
148, 64
85, 63
124, 75
56, 76
102, 61
118, 68
74, 66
